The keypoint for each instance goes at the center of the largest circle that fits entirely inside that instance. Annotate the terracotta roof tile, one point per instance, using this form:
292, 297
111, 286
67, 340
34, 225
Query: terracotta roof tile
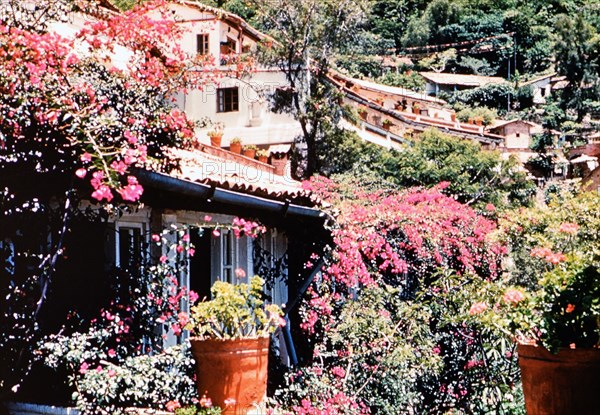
459, 79
226, 170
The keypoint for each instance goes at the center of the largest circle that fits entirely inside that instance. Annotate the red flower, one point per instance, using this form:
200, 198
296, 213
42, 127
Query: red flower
570, 308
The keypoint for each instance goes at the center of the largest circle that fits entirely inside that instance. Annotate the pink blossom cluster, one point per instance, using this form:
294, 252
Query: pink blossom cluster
249, 228
513, 296
548, 255
338, 404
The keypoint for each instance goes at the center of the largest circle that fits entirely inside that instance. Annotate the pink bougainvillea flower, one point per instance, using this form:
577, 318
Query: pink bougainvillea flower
193, 296
186, 237
513, 296
556, 258
112, 353
86, 157
205, 402
180, 248
172, 405
229, 402
569, 227
207, 218
339, 371
111, 373
163, 259
216, 233
155, 238
490, 208
183, 318
133, 191
478, 308
240, 273
191, 252
102, 192
81, 173
99, 368
83, 368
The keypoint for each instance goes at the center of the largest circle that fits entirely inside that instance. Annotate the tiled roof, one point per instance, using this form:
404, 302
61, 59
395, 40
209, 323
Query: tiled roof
464, 80
502, 123
226, 170
231, 18
391, 90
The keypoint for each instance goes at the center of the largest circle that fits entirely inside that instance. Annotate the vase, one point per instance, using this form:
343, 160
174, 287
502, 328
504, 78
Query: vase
235, 148
215, 140
563, 383
232, 369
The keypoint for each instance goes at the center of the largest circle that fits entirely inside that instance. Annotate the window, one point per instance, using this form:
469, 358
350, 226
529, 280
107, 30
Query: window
518, 135
227, 99
202, 46
229, 46
129, 246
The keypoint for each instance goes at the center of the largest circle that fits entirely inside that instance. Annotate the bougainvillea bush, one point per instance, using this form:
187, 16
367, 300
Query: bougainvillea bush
385, 315
79, 112
551, 292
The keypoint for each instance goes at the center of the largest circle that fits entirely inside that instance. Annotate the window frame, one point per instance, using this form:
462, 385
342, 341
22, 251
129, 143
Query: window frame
203, 44
228, 99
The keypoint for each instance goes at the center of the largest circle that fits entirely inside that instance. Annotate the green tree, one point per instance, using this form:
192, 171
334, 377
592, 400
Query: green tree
310, 32
577, 49
476, 177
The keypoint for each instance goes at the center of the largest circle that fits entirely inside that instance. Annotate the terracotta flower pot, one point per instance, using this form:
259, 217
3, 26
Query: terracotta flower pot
232, 369
250, 153
215, 140
263, 159
235, 148
563, 383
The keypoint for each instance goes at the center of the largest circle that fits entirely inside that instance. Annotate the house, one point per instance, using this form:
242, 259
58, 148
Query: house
408, 113
541, 87
240, 104
96, 264
517, 133
104, 252
449, 82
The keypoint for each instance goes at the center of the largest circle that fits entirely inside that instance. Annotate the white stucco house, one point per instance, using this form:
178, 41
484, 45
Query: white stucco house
240, 105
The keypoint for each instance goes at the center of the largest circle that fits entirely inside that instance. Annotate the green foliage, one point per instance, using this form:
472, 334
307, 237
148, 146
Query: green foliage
409, 80
138, 381
487, 115
475, 176
235, 311
577, 49
194, 410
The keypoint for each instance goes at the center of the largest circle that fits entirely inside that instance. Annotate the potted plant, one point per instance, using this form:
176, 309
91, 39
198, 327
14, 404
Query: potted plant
362, 112
215, 136
387, 124
250, 151
263, 155
554, 314
416, 108
230, 343
235, 145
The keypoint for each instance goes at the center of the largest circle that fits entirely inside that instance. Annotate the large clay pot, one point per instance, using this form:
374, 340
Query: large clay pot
235, 148
250, 153
215, 140
563, 383
235, 369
